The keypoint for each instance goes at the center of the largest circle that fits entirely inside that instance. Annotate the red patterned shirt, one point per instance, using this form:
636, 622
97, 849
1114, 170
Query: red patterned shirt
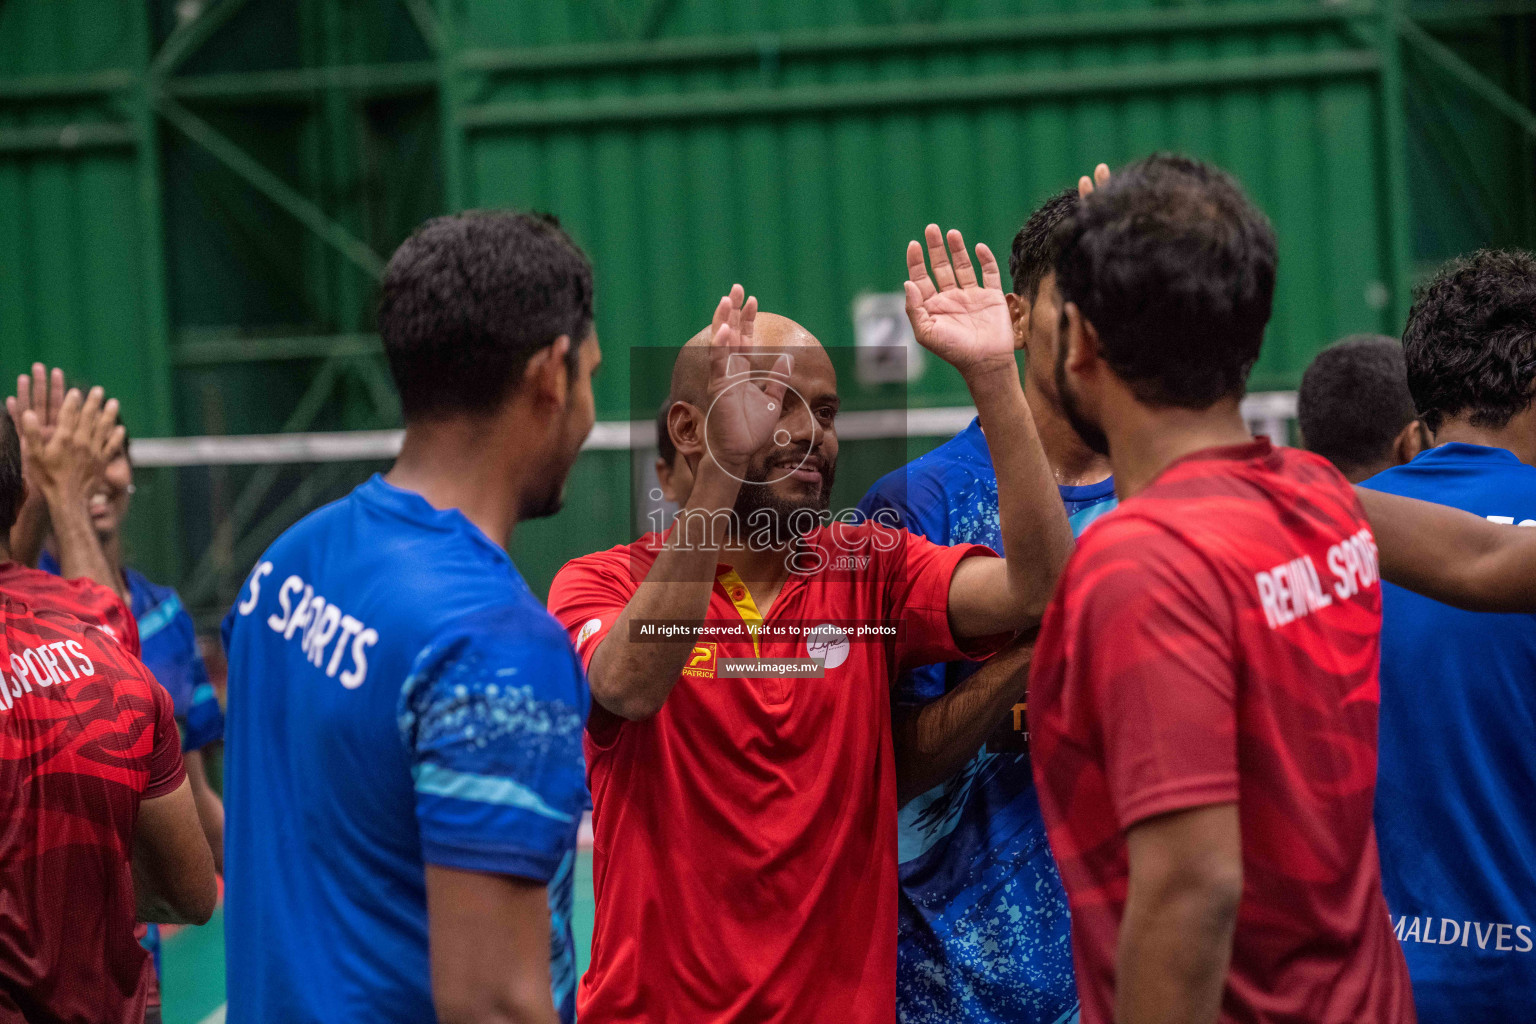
85, 735
1215, 640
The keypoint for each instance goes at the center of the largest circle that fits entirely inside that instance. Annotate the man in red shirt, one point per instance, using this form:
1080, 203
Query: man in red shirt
745, 816
1204, 695
98, 828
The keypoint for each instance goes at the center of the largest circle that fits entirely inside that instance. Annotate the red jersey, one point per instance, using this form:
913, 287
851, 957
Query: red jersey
745, 835
85, 599
1215, 640
85, 734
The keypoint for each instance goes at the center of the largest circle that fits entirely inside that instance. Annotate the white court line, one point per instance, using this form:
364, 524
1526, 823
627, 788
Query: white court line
216, 1017
1268, 410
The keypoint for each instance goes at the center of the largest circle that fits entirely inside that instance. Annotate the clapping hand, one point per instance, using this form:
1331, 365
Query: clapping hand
68, 457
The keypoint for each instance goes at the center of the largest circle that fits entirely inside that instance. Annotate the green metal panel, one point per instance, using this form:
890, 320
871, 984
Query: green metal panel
196, 196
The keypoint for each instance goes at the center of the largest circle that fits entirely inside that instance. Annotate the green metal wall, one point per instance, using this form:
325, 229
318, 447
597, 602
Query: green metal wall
196, 196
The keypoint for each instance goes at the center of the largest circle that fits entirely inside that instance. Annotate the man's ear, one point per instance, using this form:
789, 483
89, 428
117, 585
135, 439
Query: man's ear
547, 375
686, 425
1411, 440
1082, 339
1018, 312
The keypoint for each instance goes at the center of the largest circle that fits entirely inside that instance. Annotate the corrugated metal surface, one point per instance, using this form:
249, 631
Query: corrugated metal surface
195, 196
804, 171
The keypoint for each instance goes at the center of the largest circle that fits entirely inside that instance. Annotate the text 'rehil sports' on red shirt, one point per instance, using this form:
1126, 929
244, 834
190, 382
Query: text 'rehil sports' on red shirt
85, 735
1215, 640
745, 835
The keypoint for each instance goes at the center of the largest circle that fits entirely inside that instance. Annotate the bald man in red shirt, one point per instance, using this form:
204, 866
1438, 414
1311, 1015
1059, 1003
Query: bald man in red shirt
744, 807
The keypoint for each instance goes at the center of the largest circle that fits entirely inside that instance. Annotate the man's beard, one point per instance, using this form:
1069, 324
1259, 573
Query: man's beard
761, 511
1091, 434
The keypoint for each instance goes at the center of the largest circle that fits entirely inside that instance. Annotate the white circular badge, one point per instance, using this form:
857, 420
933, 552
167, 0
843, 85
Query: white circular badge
828, 643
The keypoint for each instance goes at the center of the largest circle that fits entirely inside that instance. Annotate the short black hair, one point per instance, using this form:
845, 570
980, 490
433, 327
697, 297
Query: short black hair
1354, 401
1471, 340
664, 446
1036, 247
468, 299
1175, 268
12, 490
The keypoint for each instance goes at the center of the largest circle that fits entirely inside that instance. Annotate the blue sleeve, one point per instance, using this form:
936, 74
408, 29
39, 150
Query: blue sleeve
204, 722
491, 717
915, 501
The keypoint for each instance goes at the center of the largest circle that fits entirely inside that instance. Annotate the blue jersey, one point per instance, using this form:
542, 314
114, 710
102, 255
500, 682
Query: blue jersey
1456, 789
397, 698
982, 926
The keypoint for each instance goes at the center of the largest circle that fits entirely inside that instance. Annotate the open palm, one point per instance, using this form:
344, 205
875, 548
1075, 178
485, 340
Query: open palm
961, 321
744, 405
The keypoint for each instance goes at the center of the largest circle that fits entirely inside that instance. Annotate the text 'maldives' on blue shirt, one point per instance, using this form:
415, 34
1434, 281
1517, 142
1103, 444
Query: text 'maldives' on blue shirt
397, 698
1456, 785
982, 925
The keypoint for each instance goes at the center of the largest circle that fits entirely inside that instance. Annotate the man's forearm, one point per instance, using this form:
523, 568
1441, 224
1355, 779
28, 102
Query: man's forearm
1037, 539
632, 678
935, 741
79, 551
1173, 957
1452, 556
29, 532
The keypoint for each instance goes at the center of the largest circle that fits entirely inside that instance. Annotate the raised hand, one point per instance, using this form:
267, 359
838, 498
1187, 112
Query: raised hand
68, 460
744, 405
963, 322
1086, 185
41, 391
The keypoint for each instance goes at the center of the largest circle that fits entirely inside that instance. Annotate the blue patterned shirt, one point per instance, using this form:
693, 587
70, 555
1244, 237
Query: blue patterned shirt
983, 925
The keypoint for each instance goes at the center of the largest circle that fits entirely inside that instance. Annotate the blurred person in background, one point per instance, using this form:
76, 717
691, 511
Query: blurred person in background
98, 825
983, 930
1354, 408
404, 770
167, 636
672, 470
1454, 808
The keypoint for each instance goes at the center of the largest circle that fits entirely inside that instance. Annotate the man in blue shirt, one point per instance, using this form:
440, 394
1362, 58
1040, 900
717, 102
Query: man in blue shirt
404, 772
983, 926
1455, 814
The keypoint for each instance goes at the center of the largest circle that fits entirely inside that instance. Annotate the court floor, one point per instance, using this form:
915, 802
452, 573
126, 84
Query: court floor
193, 958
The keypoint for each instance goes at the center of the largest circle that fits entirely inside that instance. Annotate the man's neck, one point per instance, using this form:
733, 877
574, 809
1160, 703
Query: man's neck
1144, 441
758, 567
453, 464
1517, 436
112, 547
1072, 462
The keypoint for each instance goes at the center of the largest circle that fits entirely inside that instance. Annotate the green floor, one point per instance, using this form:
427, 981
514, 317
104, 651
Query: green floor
194, 957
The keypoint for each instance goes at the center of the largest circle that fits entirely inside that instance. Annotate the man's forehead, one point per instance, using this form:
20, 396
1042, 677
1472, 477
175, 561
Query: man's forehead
773, 336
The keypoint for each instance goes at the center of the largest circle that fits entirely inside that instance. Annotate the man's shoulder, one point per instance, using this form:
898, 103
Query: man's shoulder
624, 564
931, 484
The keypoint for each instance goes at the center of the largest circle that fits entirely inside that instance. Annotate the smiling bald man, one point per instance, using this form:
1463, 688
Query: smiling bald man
739, 749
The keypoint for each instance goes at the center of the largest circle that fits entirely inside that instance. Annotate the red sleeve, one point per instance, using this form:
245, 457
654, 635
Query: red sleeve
1151, 648
587, 596
918, 594
166, 770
